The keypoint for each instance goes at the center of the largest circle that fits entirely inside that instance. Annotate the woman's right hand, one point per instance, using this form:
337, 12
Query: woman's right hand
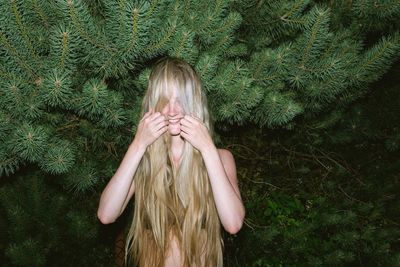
151, 126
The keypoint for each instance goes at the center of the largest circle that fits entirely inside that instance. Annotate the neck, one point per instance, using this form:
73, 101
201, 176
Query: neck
177, 148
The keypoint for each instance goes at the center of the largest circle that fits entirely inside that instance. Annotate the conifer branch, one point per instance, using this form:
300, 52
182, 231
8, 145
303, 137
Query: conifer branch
232, 21
313, 36
224, 42
4, 73
8, 165
181, 44
134, 32
64, 49
22, 30
81, 29
151, 9
13, 52
165, 38
40, 13
259, 59
186, 8
380, 52
121, 17
210, 18
295, 7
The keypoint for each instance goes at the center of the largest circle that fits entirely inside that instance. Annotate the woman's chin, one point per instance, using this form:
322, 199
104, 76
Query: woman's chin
174, 130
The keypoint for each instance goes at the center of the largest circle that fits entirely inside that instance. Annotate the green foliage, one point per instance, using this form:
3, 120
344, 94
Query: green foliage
56, 89
72, 77
28, 253
306, 207
89, 60
44, 229
59, 158
31, 142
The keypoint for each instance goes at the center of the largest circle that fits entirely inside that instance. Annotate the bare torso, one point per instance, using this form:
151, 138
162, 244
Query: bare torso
174, 258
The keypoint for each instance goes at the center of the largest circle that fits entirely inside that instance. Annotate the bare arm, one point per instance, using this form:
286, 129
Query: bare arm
221, 170
121, 186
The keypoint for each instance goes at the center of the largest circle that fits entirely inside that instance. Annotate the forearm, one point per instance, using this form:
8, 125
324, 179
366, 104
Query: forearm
116, 192
228, 201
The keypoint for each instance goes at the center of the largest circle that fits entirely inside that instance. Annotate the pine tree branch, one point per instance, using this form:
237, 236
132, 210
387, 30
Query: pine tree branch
166, 37
152, 8
131, 43
210, 18
134, 33
229, 23
23, 31
388, 46
83, 33
40, 13
122, 7
13, 52
7, 165
179, 50
186, 8
313, 36
64, 49
4, 73
294, 7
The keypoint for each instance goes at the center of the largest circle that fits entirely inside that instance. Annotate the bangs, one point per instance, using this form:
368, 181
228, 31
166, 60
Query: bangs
164, 92
174, 74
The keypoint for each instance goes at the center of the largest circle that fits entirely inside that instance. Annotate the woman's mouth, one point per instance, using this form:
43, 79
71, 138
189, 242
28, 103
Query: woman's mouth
174, 121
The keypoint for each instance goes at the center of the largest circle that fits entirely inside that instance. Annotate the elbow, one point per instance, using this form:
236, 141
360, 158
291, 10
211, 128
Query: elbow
235, 227
104, 219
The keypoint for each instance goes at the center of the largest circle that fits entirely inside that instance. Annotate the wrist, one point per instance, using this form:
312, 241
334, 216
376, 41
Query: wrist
210, 147
138, 146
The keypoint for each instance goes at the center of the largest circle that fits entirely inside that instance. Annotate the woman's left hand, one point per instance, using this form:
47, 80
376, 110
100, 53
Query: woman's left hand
195, 132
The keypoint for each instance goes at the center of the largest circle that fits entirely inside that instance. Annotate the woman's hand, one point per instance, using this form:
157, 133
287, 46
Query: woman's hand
151, 126
195, 132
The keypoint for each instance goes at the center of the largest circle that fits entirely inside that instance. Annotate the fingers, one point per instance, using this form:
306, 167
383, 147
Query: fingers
185, 135
160, 122
147, 114
162, 130
196, 118
190, 121
185, 128
153, 121
193, 119
154, 115
189, 118
189, 128
150, 116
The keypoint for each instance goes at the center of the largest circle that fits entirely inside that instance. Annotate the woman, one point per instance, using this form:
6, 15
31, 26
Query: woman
184, 186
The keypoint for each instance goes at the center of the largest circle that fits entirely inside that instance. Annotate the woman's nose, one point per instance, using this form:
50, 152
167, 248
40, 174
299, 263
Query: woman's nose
173, 109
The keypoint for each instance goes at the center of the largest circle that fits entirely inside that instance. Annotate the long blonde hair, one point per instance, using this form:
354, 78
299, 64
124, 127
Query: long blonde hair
169, 200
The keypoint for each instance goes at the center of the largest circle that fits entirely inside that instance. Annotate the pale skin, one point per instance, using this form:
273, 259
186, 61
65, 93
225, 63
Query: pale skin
219, 163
